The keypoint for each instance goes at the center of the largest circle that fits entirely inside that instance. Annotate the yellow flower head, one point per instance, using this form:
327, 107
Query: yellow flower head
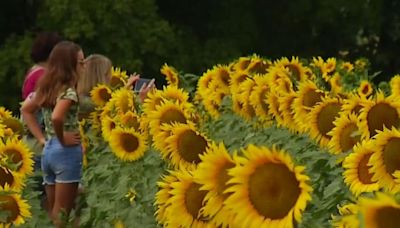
127, 144
267, 189
17, 209
357, 173
171, 74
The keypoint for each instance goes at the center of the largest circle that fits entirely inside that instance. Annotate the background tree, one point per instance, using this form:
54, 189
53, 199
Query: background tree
142, 35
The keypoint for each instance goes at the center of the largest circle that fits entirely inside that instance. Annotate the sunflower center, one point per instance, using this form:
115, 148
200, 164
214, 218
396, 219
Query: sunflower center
222, 178
8, 204
224, 75
391, 155
311, 98
116, 82
194, 199
244, 64
326, 117
14, 155
6, 177
273, 190
171, 116
104, 95
365, 89
388, 217
382, 114
191, 145
357, 109
363, 170
129, 142
347, 140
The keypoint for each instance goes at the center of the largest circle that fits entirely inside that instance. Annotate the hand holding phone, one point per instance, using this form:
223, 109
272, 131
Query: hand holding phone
143, 83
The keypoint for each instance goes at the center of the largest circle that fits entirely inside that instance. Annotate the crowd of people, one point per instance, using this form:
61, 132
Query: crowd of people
56, 94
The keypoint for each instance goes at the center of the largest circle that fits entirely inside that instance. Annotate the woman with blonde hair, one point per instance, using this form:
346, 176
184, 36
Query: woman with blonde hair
98, 70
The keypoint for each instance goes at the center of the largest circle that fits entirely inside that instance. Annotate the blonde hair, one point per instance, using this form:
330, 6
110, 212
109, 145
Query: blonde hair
97, 71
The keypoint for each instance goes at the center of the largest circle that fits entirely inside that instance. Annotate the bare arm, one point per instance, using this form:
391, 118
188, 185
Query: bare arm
132, 80
28, 110
58, 117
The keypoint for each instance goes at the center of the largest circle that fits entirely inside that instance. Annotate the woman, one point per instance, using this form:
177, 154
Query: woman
56, 96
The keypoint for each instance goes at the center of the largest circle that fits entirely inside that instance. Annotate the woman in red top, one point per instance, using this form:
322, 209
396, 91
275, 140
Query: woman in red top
41, 48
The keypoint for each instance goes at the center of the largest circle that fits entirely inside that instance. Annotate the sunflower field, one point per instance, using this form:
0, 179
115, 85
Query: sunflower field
253, 143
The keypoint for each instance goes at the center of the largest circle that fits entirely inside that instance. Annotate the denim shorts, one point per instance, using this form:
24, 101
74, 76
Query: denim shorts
61, 164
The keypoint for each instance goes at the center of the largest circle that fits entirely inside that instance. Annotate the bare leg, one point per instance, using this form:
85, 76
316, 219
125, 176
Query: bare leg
50, 193
64, 201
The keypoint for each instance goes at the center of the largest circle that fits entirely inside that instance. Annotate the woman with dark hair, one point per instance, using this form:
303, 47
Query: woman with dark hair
41, 48
62, 154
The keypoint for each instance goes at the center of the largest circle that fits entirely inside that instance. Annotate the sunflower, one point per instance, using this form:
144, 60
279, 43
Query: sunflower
4, 113
258, 97
212, 174
186, 144
171, 75
295, 67
13, 126
379, 113
127, 144
16, 208
356, 169
237, 79
346, 66
273, 101
167, 113
243, 95
268, 189
336, 83
213, 102
19, 155
385, 160
123, 100
204, 81
2, 130
118, 78
286, 110
383, 211
321, 119
348, 217
345, 134
365, 88
395, 85
222, 76
162, 197
307, 97
175, 94
129, 120
154, 99
95, 119
107, 125
258, 65
354, 103
159, 140
100, 95
329, 66
186, 201
242, 64
11, 179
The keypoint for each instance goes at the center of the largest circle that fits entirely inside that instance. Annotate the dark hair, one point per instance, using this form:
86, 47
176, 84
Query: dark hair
60, 74
43, 44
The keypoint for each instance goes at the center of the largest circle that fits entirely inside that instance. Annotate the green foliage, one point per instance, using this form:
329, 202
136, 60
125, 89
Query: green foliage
14, 63
107, 182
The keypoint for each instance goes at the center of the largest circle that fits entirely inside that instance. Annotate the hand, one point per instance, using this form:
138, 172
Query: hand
144, 90
132, 80
71, 138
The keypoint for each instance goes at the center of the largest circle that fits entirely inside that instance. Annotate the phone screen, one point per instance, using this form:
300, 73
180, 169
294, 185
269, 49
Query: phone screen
139, 83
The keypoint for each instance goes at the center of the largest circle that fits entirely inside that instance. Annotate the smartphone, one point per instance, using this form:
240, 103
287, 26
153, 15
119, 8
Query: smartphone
139, 83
